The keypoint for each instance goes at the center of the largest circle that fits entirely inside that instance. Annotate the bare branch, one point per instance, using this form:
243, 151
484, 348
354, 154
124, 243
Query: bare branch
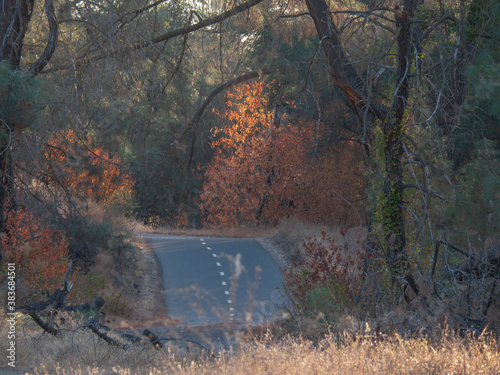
169, 34
94, 327
344, 74
219, 89
155, 340
295, 15
425, 191
52, 42
456, 248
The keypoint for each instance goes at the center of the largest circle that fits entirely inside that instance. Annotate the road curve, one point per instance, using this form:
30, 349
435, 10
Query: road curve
211, 281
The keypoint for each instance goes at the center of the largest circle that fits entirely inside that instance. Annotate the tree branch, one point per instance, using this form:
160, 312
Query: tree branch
47, 328
425, 191
170, 34
51, 43
344, 74
94, 327
456, 248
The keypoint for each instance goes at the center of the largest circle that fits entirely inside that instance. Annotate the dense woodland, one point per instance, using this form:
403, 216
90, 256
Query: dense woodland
376, 114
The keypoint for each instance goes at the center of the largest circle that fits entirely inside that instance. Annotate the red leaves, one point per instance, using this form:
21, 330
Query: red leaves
255, 163
326, 262
40, 254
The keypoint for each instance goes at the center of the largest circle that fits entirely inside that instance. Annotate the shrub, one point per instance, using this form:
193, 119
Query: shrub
89, 238
39, 253
327, 274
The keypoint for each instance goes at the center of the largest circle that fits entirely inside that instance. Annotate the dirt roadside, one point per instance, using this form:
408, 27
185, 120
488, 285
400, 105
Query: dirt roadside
142, 290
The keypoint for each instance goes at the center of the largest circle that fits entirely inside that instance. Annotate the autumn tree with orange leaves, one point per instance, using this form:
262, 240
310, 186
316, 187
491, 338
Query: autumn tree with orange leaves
88, 171
268, 166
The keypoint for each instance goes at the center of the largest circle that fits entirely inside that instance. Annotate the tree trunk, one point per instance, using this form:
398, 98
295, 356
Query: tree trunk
345, 76
391, 202
7, 200
14, 21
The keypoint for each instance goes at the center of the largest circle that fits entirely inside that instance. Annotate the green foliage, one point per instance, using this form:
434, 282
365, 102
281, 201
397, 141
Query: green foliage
483, 22
481, 114
90, 238
19, 92
157, 193
477, 214
322, 301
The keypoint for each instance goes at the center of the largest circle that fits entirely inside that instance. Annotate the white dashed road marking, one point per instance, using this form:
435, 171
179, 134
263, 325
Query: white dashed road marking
224, 283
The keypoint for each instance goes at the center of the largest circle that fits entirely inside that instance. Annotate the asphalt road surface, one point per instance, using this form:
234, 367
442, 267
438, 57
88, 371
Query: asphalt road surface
213, 281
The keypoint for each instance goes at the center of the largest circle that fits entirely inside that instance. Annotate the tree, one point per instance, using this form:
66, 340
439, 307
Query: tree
388, 115
89, 171
14, 23
269, 164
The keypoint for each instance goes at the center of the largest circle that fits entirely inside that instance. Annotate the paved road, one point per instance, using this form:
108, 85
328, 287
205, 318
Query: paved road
210, 281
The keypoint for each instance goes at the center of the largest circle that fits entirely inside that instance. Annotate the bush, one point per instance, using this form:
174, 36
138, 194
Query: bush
39, 252
327, 274
91, 238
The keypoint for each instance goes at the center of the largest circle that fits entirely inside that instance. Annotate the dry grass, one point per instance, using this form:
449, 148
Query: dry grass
333, 355
133, 291
78, 351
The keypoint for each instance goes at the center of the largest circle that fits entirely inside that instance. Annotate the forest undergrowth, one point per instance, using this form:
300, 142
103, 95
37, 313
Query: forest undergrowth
328, 332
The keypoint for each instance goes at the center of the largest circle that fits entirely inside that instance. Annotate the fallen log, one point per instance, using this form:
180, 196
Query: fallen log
155, 340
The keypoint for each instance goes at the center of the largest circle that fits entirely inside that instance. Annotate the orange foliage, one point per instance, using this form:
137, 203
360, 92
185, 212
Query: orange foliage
335, 188
90, 172
264, 170
39, 253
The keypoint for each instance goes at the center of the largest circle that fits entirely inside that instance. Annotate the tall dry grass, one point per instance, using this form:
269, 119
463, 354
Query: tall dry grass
78, 351
333, 355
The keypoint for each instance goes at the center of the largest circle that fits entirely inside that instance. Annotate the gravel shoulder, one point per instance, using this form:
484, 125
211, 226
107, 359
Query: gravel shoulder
144, 292
279, 249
